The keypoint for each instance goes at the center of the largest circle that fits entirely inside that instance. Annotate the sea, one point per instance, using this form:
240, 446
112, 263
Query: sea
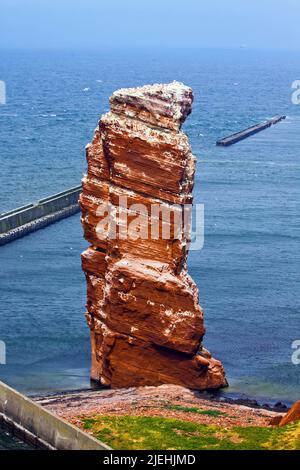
248, 269
9, 442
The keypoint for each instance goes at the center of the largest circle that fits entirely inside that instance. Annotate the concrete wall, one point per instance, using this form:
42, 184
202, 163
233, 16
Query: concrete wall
19, 222
47, 428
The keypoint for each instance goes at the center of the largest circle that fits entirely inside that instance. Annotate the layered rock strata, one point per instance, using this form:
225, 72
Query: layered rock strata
142, 306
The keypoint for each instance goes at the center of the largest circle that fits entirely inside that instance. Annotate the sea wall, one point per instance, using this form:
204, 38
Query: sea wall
24, 220
39, 427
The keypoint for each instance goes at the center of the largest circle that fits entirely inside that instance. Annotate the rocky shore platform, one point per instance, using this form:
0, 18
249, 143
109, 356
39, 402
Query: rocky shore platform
172, 417
168, 401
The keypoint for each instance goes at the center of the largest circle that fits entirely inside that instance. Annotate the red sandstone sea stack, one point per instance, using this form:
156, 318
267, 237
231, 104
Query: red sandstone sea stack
142, 306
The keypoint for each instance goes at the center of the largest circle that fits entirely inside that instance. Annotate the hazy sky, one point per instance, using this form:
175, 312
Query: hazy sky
190, 23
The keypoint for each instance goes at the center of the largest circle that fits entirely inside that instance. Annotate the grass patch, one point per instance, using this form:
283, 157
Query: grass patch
156, 433
194, 409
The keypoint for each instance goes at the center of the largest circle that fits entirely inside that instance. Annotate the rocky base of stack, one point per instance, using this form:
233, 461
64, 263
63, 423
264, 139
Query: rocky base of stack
142, 306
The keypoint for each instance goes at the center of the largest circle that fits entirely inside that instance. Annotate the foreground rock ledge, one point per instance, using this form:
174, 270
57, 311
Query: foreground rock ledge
142, 306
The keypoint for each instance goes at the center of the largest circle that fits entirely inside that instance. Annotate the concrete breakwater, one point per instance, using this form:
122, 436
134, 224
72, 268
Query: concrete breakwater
238, 136
39, 427
24, 220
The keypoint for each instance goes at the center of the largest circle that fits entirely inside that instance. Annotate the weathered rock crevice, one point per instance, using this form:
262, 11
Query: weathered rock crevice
146, 323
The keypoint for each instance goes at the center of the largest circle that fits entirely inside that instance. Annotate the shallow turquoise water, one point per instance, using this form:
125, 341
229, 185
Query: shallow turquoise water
248, 270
